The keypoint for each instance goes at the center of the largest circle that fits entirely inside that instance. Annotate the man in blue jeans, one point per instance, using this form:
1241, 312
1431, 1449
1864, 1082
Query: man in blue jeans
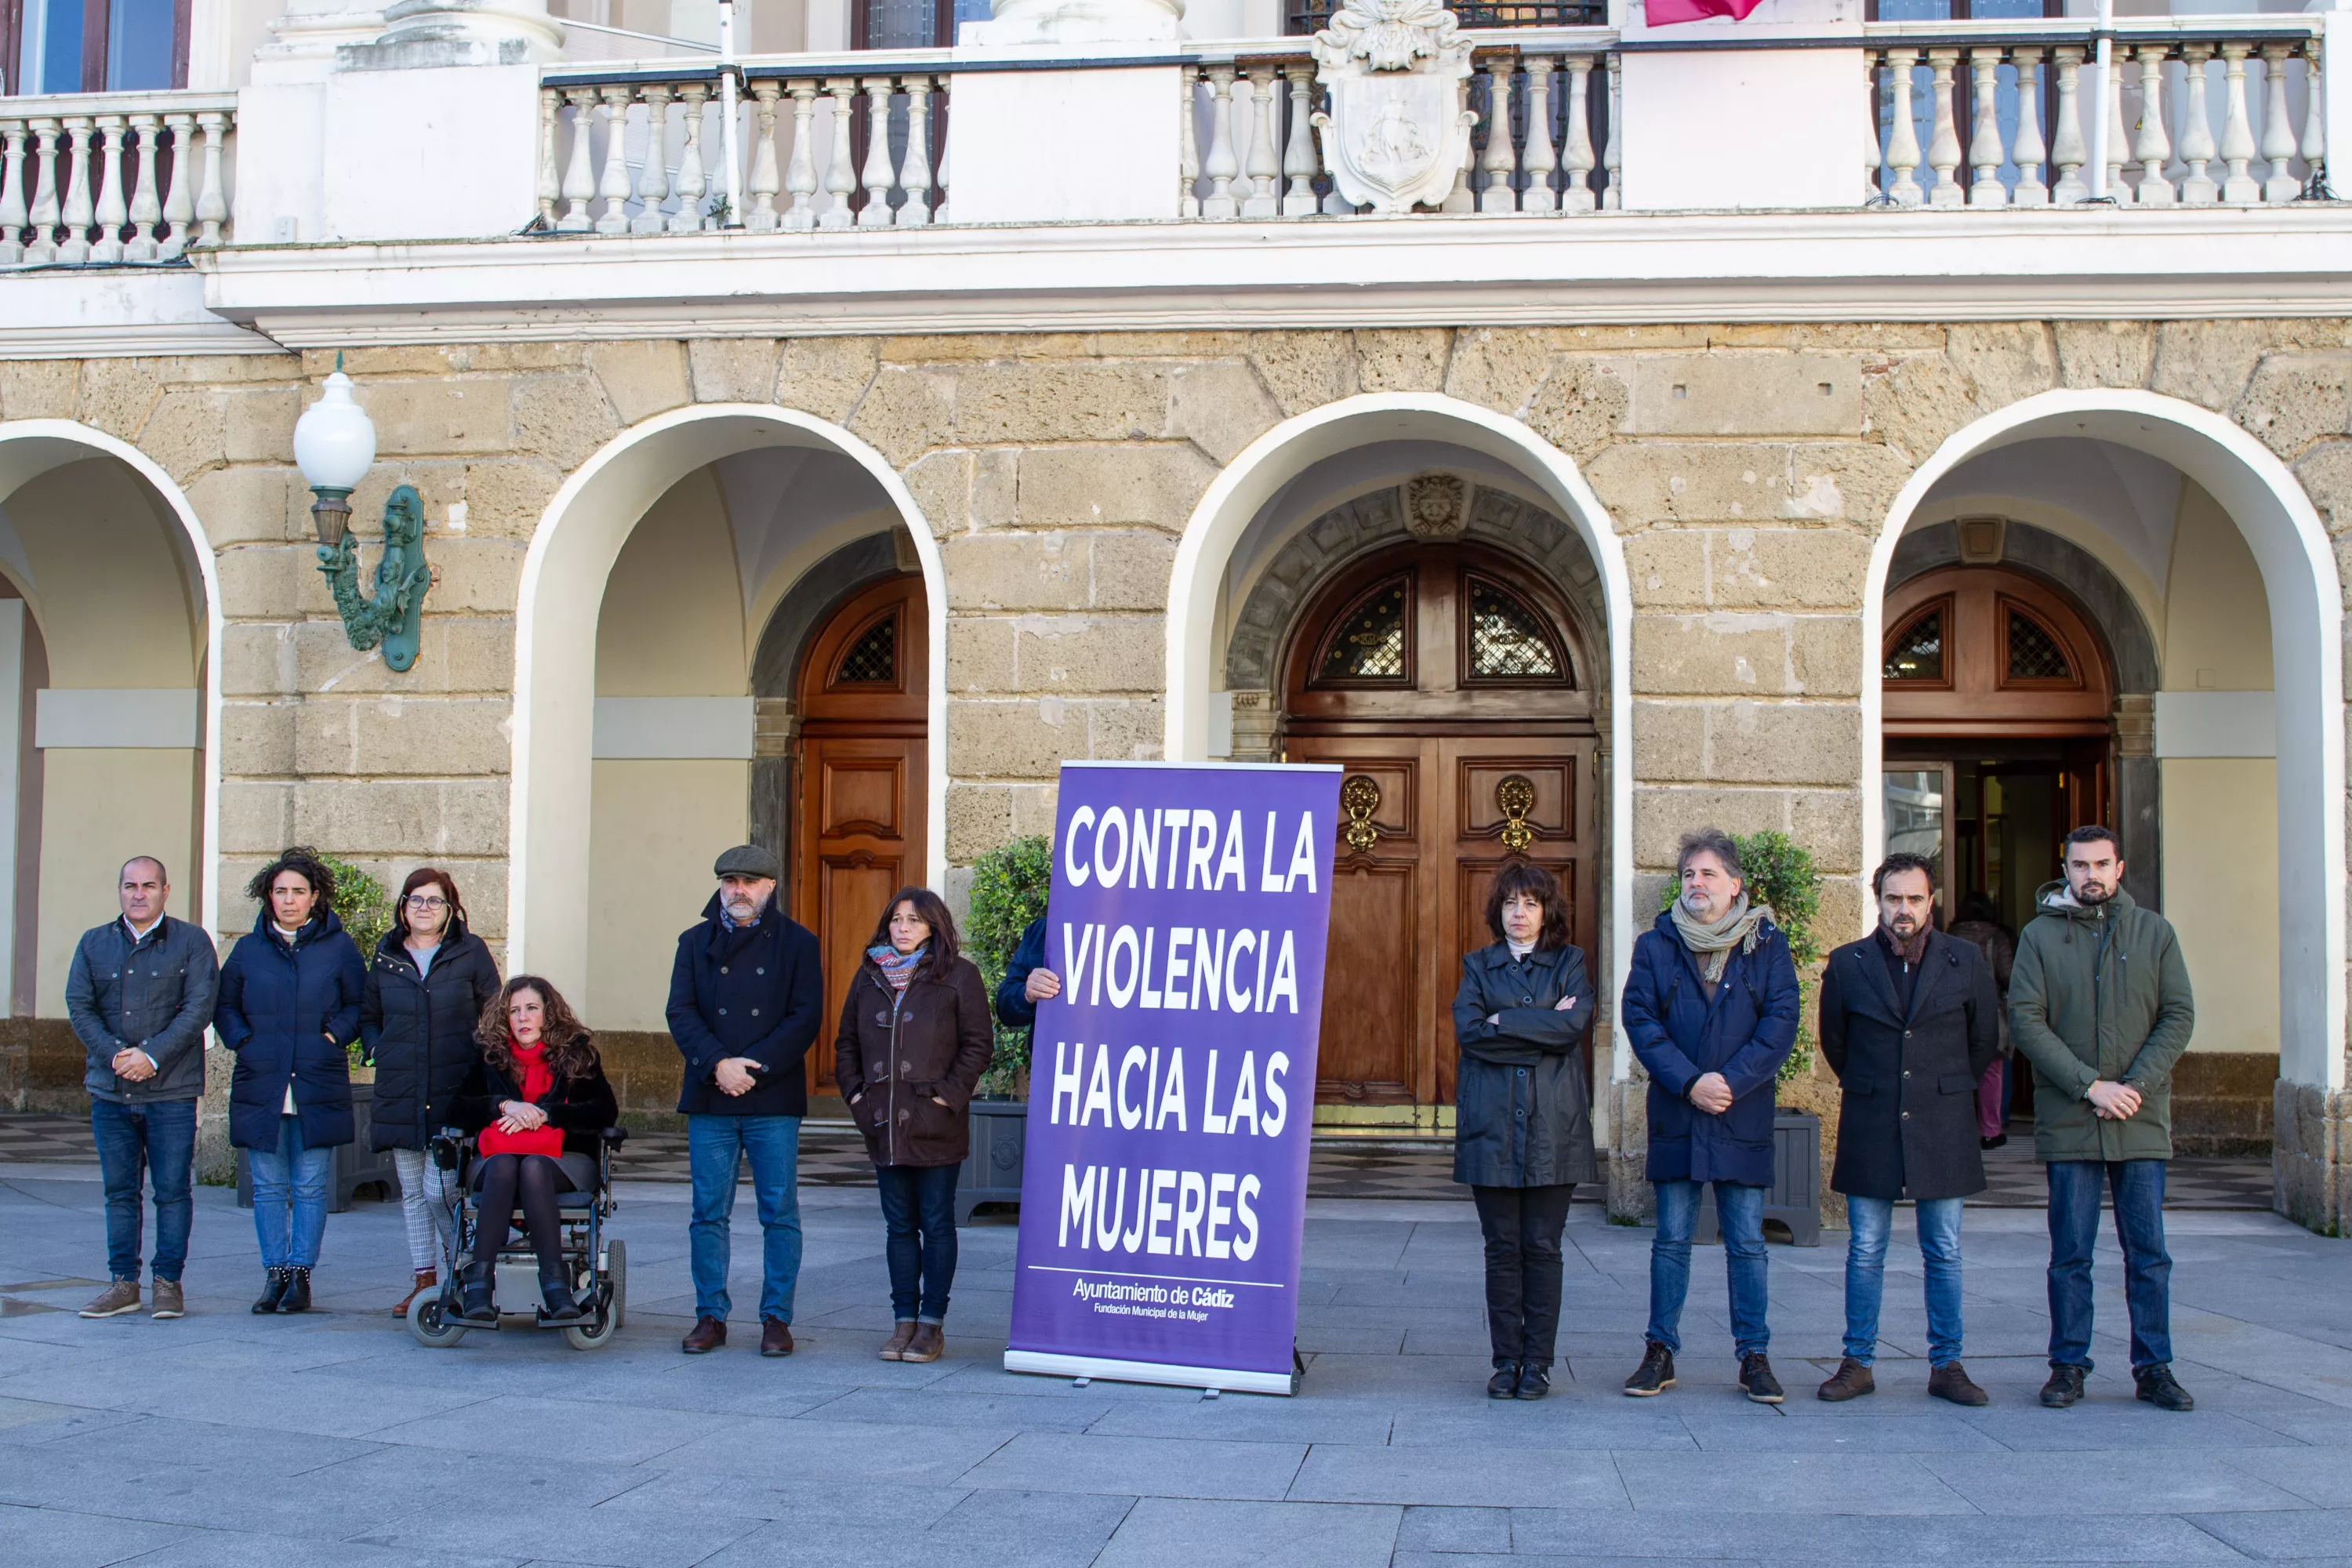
1710, 1009
2099, 1002
1909, 1022
744, 999
140, 995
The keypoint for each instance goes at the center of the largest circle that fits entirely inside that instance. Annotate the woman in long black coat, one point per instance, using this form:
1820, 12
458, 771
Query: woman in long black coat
427, 982
1523, 1113
288, 1003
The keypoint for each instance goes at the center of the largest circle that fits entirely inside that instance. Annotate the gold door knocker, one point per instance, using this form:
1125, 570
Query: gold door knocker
1360, 797
1516, 795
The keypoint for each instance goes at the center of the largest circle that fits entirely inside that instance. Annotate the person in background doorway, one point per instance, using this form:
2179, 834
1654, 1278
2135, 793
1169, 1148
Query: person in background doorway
1523, 1113
746, 996
1711, 1007
290, 1000
1908, 1022
140, 995
1980, 923
915, 1036
427, 982
2099, 1004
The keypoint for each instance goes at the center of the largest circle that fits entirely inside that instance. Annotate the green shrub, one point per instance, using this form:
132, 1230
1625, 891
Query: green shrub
1009, 887
365, 909
1781, 873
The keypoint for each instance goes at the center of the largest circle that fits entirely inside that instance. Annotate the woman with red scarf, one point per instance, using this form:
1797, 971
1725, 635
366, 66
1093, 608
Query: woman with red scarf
539, 1100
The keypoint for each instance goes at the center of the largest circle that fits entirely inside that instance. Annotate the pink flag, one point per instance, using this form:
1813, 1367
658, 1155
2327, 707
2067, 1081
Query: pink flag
1663, 13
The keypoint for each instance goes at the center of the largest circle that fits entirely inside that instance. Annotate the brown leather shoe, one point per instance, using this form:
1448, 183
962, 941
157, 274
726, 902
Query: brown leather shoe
427, 1280
707, 1334
1951, 1381
928, 1343
895, 1345
775, 1337
1852, 1381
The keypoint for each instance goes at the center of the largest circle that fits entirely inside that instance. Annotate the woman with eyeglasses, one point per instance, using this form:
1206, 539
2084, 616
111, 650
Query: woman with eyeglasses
427, 982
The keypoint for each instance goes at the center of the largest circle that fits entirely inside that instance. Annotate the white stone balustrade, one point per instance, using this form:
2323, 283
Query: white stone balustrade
106, 179
1544, 143
2196, 116
823, 148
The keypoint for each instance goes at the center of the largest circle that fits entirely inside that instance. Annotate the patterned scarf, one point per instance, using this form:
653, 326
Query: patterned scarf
1913, 953
897, 967
1735, 929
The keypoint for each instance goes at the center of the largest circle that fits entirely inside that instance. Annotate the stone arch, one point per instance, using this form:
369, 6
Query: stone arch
1279, 455
571, 553
2290, 546
30, 449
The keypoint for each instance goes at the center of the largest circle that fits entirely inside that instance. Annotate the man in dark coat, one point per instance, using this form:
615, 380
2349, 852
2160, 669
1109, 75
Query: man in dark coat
1710, 1009
2099, 1002
745, 999
1909, 1022
1028, 981
141, 995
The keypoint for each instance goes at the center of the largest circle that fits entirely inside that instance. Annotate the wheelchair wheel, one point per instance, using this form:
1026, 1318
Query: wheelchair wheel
426, 1324
595, 1335
617, 1269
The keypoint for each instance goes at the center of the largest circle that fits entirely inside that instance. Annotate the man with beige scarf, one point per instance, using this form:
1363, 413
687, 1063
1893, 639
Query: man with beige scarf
1710, 1009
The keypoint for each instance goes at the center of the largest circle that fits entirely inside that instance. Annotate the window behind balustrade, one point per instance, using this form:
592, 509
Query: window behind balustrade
912, 23
2006, 99
93, 45
1303, 17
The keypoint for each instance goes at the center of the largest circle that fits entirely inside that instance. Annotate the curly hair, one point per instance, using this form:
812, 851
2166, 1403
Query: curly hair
944, 947
304, 862
1518, 877
570, 1048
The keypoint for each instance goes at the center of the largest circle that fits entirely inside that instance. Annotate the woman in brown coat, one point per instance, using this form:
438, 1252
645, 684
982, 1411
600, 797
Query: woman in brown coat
915, 1036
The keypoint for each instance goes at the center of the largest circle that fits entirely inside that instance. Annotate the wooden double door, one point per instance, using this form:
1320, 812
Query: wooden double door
858, 781
1447, 682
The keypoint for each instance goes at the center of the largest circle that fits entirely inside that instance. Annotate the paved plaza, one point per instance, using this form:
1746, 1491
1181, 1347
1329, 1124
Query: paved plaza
333, 1439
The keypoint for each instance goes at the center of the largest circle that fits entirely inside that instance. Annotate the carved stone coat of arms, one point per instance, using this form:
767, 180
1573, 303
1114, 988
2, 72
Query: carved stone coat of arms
1397, 128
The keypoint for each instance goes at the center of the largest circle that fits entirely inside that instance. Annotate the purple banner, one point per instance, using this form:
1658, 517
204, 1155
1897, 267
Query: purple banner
1171, 1086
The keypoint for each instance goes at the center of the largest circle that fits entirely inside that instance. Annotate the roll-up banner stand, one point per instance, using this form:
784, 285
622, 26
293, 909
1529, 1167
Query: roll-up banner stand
1172, 1099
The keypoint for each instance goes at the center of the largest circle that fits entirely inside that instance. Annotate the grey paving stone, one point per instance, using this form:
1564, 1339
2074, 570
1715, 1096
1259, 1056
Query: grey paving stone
484, 1521
212, 1550
37, 1421
45, 1538
836, 1543
2112, 1424
1488, 1477
1016, 1519
1247, 1418
906, 1456
1158, 1466
1159, 1531
1963, 1541
574, 1427
798, 1492
1852, 1433
1787, 1483
2322, 1477
1578, 1420
2300, 1537
1436, 1528
912, 1407
2113, 1481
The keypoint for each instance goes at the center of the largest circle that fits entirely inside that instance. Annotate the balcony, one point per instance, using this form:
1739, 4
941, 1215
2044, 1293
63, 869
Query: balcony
1896, 170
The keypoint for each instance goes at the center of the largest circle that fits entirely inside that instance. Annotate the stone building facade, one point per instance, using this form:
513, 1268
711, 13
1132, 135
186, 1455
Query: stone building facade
1076, 501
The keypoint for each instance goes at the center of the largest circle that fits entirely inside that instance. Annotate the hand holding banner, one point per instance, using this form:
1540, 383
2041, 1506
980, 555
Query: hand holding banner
1163, 1192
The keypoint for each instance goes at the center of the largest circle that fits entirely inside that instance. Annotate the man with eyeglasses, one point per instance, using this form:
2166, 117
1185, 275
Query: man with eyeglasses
140, 995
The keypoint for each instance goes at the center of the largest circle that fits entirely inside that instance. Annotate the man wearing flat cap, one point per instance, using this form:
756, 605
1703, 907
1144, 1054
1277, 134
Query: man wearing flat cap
744, 1000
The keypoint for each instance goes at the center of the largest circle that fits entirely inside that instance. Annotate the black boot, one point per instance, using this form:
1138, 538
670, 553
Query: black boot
1505, 1384
273, 1288
559, 1310
298, 1291
480, 1302
1535, 1381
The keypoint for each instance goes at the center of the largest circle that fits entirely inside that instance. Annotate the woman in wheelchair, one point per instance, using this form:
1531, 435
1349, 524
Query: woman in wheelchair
538, 1103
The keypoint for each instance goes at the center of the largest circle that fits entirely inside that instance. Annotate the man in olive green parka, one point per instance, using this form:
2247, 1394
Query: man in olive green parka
2099, 1004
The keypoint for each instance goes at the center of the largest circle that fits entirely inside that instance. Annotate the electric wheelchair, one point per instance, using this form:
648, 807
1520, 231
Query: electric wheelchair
599, 1267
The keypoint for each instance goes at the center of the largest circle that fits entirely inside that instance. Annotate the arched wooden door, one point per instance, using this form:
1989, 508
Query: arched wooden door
2000, 731
1448, 681
859, 780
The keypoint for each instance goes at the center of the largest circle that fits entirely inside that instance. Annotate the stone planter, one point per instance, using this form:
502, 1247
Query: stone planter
355, 1165
992, 1172
1795, 1196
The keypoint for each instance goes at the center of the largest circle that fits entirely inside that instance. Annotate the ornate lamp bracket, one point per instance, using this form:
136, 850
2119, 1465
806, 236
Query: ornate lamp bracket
402, 577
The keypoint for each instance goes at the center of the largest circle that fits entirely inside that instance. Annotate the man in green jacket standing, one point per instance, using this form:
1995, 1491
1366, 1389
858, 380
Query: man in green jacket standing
2099, 1004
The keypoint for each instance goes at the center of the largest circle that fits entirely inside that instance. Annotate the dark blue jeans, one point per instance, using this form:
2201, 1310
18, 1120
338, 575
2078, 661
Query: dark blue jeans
715, 1147
157, 1140
2138, 1188
1739, 1215
918, 1212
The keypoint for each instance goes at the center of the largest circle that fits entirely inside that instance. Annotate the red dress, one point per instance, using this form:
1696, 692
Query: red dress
538, 1078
